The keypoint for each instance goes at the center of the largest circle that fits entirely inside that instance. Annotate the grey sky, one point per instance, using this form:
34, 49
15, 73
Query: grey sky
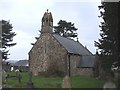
25, 16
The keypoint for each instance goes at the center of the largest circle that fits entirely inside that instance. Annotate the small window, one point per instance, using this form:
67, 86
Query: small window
45, 48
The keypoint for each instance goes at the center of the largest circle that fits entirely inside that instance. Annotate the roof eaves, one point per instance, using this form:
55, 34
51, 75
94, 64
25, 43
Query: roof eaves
71, 53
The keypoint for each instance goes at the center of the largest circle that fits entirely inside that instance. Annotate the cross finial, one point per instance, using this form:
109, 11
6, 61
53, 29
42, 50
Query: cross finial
77, 39
47, 10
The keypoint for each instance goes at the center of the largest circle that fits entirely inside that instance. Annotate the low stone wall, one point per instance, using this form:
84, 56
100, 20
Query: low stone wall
85, 71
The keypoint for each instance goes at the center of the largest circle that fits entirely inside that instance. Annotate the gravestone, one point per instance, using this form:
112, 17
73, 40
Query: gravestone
19, 78
0, 78
17, 72
30, 83
4, 76
109, 85
66, 83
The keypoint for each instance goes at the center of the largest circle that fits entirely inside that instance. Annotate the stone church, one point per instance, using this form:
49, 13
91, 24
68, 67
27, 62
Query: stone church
53, 54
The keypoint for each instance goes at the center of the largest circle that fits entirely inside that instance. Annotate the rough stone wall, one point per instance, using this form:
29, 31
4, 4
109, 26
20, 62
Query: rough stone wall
47, 54
57, 57
85, 71
79, 71
38, 58
74, 61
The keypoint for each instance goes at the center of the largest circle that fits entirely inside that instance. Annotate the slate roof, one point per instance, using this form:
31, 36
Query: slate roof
21, 63
72, 46
75, 47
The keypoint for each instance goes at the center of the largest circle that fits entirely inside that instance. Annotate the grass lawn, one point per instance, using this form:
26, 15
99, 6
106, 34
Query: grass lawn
54, 82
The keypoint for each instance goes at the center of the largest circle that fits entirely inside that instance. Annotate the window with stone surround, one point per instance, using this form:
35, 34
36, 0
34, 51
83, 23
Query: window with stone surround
45, 48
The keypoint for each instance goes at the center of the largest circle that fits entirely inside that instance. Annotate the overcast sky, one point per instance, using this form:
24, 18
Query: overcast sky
25, 16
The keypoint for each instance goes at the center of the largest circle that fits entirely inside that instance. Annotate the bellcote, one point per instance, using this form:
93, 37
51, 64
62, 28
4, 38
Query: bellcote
47, 19
47, 23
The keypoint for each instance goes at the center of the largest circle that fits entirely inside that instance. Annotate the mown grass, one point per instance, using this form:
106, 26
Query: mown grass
86, 82
54, 82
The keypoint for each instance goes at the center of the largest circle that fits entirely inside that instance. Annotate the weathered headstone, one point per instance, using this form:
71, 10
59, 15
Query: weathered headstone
17, 72
30, 76
4, 76
66, 83
0, 78
109, 86
30, 83
19, 78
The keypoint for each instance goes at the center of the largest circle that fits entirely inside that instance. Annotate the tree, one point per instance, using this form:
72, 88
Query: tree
37, 37
65, 29
7, 38
108, 44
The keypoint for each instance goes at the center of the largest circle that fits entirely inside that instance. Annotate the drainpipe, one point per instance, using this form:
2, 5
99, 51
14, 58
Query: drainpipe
69, 64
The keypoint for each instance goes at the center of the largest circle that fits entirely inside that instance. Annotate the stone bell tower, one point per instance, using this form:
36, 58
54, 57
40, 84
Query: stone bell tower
47, 23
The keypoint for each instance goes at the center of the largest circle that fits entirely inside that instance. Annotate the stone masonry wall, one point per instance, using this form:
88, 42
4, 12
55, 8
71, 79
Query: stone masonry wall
57, 57
85, 71
74, 61
47, 54
37, 56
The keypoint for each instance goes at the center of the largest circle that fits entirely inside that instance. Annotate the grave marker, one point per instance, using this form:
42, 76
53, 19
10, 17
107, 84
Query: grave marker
30, 83
4, 76
109, 85
66, 83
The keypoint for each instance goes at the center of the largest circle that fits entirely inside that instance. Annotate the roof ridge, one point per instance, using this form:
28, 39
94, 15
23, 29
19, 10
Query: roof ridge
75, 42
66, 37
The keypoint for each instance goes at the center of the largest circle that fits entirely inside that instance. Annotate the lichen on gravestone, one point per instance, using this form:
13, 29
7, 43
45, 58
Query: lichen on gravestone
109, 85
4, 76
66, 82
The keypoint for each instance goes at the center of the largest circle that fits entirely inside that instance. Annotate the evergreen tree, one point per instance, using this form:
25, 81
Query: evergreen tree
37, 37
108, 44
65, 29
7, 38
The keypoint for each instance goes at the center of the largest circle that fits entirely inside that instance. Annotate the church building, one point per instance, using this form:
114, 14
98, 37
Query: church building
53, 54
